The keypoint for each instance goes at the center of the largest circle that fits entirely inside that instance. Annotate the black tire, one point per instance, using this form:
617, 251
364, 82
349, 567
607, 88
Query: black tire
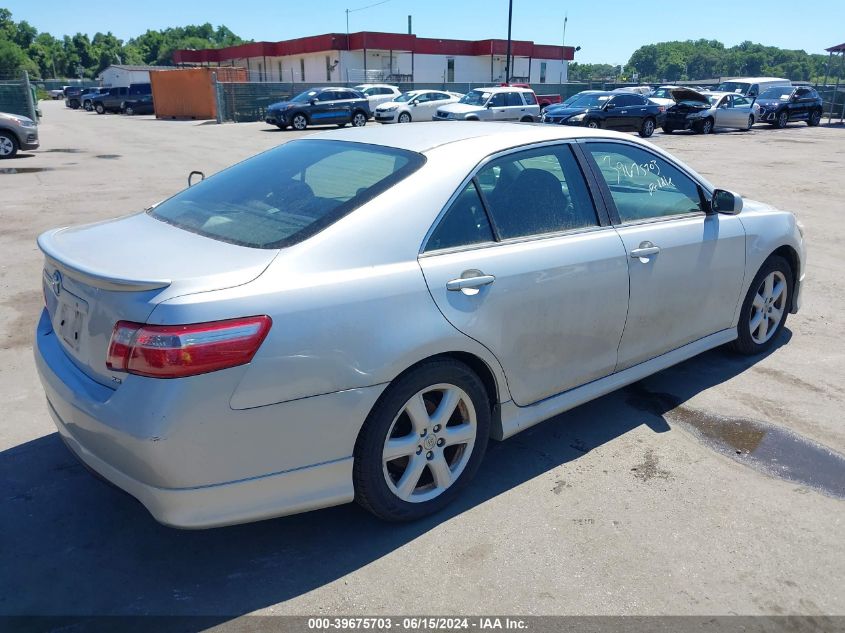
299, 121
8, 145
527, 119
782, 119
87, 105
647, 128
129, 110
593, 124
281, 127
815, 118
74, 104
371, 487
750, 122
359, 119
705, 127
745, 343
404, 117
668, 129
98, 107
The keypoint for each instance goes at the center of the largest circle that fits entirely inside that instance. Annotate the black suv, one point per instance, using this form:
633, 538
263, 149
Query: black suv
782, 104
112, 101
73, 96
609, 110
320, 106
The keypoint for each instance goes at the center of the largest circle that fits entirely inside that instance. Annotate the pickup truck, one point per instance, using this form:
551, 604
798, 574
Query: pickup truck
542, 100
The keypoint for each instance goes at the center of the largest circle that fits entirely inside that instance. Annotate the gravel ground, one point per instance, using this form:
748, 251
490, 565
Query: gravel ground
622, 506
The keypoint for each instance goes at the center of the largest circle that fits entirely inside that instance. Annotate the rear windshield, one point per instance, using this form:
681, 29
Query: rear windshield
289, 193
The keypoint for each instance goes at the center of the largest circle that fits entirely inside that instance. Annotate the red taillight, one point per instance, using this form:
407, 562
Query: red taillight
176, 351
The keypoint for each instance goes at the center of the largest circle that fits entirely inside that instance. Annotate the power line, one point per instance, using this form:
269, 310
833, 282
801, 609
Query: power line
369, 6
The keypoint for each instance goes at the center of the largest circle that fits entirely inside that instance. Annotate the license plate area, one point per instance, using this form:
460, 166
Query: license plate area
71, 317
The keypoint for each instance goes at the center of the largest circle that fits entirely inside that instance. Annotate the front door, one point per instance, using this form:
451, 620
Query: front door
545, 285
497, 108
685, 265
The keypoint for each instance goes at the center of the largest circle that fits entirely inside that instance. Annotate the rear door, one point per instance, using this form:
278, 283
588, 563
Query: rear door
686, 266
521, 262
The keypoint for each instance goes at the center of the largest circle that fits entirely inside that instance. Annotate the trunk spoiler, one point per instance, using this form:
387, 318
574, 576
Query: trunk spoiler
96, 278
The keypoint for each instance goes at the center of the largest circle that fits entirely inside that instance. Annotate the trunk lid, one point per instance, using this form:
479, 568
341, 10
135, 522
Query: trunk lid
98, 274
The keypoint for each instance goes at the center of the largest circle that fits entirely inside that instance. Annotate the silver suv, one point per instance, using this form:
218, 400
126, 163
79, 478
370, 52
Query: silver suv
492, 104
16, 132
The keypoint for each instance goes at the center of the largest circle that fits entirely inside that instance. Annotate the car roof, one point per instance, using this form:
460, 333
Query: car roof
755, 80
425, 136
495, 89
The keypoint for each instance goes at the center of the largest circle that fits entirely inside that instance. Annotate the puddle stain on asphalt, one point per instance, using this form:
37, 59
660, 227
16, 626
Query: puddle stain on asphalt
107, 156
62, 150
23, 170
765, 447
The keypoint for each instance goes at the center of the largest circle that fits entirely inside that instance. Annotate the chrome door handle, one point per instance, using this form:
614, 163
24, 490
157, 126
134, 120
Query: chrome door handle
470, 283
646, 249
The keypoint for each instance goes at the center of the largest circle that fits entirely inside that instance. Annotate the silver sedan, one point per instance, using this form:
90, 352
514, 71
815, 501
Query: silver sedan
355, 314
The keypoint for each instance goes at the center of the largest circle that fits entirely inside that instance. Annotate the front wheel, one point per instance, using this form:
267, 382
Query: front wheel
750, 122
782, 120
8, 145
647, 128
706, 126
359, 119
593, 124
765, 307
815, 118
404, 118
299, 122
422, 442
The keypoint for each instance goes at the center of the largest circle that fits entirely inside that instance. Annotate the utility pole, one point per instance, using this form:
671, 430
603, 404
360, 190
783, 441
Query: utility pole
508, 61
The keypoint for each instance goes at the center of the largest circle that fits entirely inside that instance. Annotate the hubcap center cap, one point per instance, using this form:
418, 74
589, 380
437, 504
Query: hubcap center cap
430, 442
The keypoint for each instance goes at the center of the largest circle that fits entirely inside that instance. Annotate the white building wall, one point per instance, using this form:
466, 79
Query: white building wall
556, 71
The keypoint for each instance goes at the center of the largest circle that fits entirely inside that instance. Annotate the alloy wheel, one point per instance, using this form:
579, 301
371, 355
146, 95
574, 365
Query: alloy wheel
768, 307
750, 122
648, 128
299, 122
707, 127
7, 146
783, 119
592, 124
359, 120
404, 118
429, 443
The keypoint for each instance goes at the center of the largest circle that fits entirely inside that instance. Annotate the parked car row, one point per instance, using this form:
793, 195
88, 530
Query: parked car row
135, 98
738, 104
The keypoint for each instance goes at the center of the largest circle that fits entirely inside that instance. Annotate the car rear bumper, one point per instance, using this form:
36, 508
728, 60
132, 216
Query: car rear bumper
192, 460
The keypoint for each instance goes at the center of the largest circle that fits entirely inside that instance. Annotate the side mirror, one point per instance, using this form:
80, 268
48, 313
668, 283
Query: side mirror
489, 105
312, 101
726, 202
191, 177
609, 106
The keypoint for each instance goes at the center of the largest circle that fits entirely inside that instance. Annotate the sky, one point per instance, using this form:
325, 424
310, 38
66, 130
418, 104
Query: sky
608, 31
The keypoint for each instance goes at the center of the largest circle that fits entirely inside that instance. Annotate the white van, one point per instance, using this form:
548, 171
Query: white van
751, 86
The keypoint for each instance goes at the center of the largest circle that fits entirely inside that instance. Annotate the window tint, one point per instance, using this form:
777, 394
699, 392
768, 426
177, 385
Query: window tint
642, 184
283, 196
537, 191
327, 95
740, 101
498, 100
513, 99
529, 97
439, 96
802, 92
463, 224
626, 100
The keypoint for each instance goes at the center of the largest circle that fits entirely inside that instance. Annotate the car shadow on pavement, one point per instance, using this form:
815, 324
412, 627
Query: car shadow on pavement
73, 546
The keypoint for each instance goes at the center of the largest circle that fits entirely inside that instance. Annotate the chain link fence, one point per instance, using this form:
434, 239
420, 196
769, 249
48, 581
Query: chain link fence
17, 96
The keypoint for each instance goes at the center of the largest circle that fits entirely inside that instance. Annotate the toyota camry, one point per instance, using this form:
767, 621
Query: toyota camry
353, 315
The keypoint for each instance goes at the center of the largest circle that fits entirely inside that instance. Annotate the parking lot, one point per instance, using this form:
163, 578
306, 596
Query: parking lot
652, 500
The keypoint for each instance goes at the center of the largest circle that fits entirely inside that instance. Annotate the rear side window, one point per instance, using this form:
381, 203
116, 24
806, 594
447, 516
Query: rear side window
537, 191
289, 193
465, 223
529, 98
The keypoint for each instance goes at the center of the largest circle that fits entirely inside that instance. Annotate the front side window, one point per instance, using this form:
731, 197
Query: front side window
499, 100
537, 191
289, 193
643, 185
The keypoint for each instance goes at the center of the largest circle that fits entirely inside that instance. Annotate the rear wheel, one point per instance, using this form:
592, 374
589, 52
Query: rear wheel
647, 128
8, 145
815, 118
299, 122
99, 108
765, 307
782, 120
404, 118
359, 119
422, 442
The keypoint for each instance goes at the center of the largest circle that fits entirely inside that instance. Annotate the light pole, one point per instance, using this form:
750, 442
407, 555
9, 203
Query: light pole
508, 60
